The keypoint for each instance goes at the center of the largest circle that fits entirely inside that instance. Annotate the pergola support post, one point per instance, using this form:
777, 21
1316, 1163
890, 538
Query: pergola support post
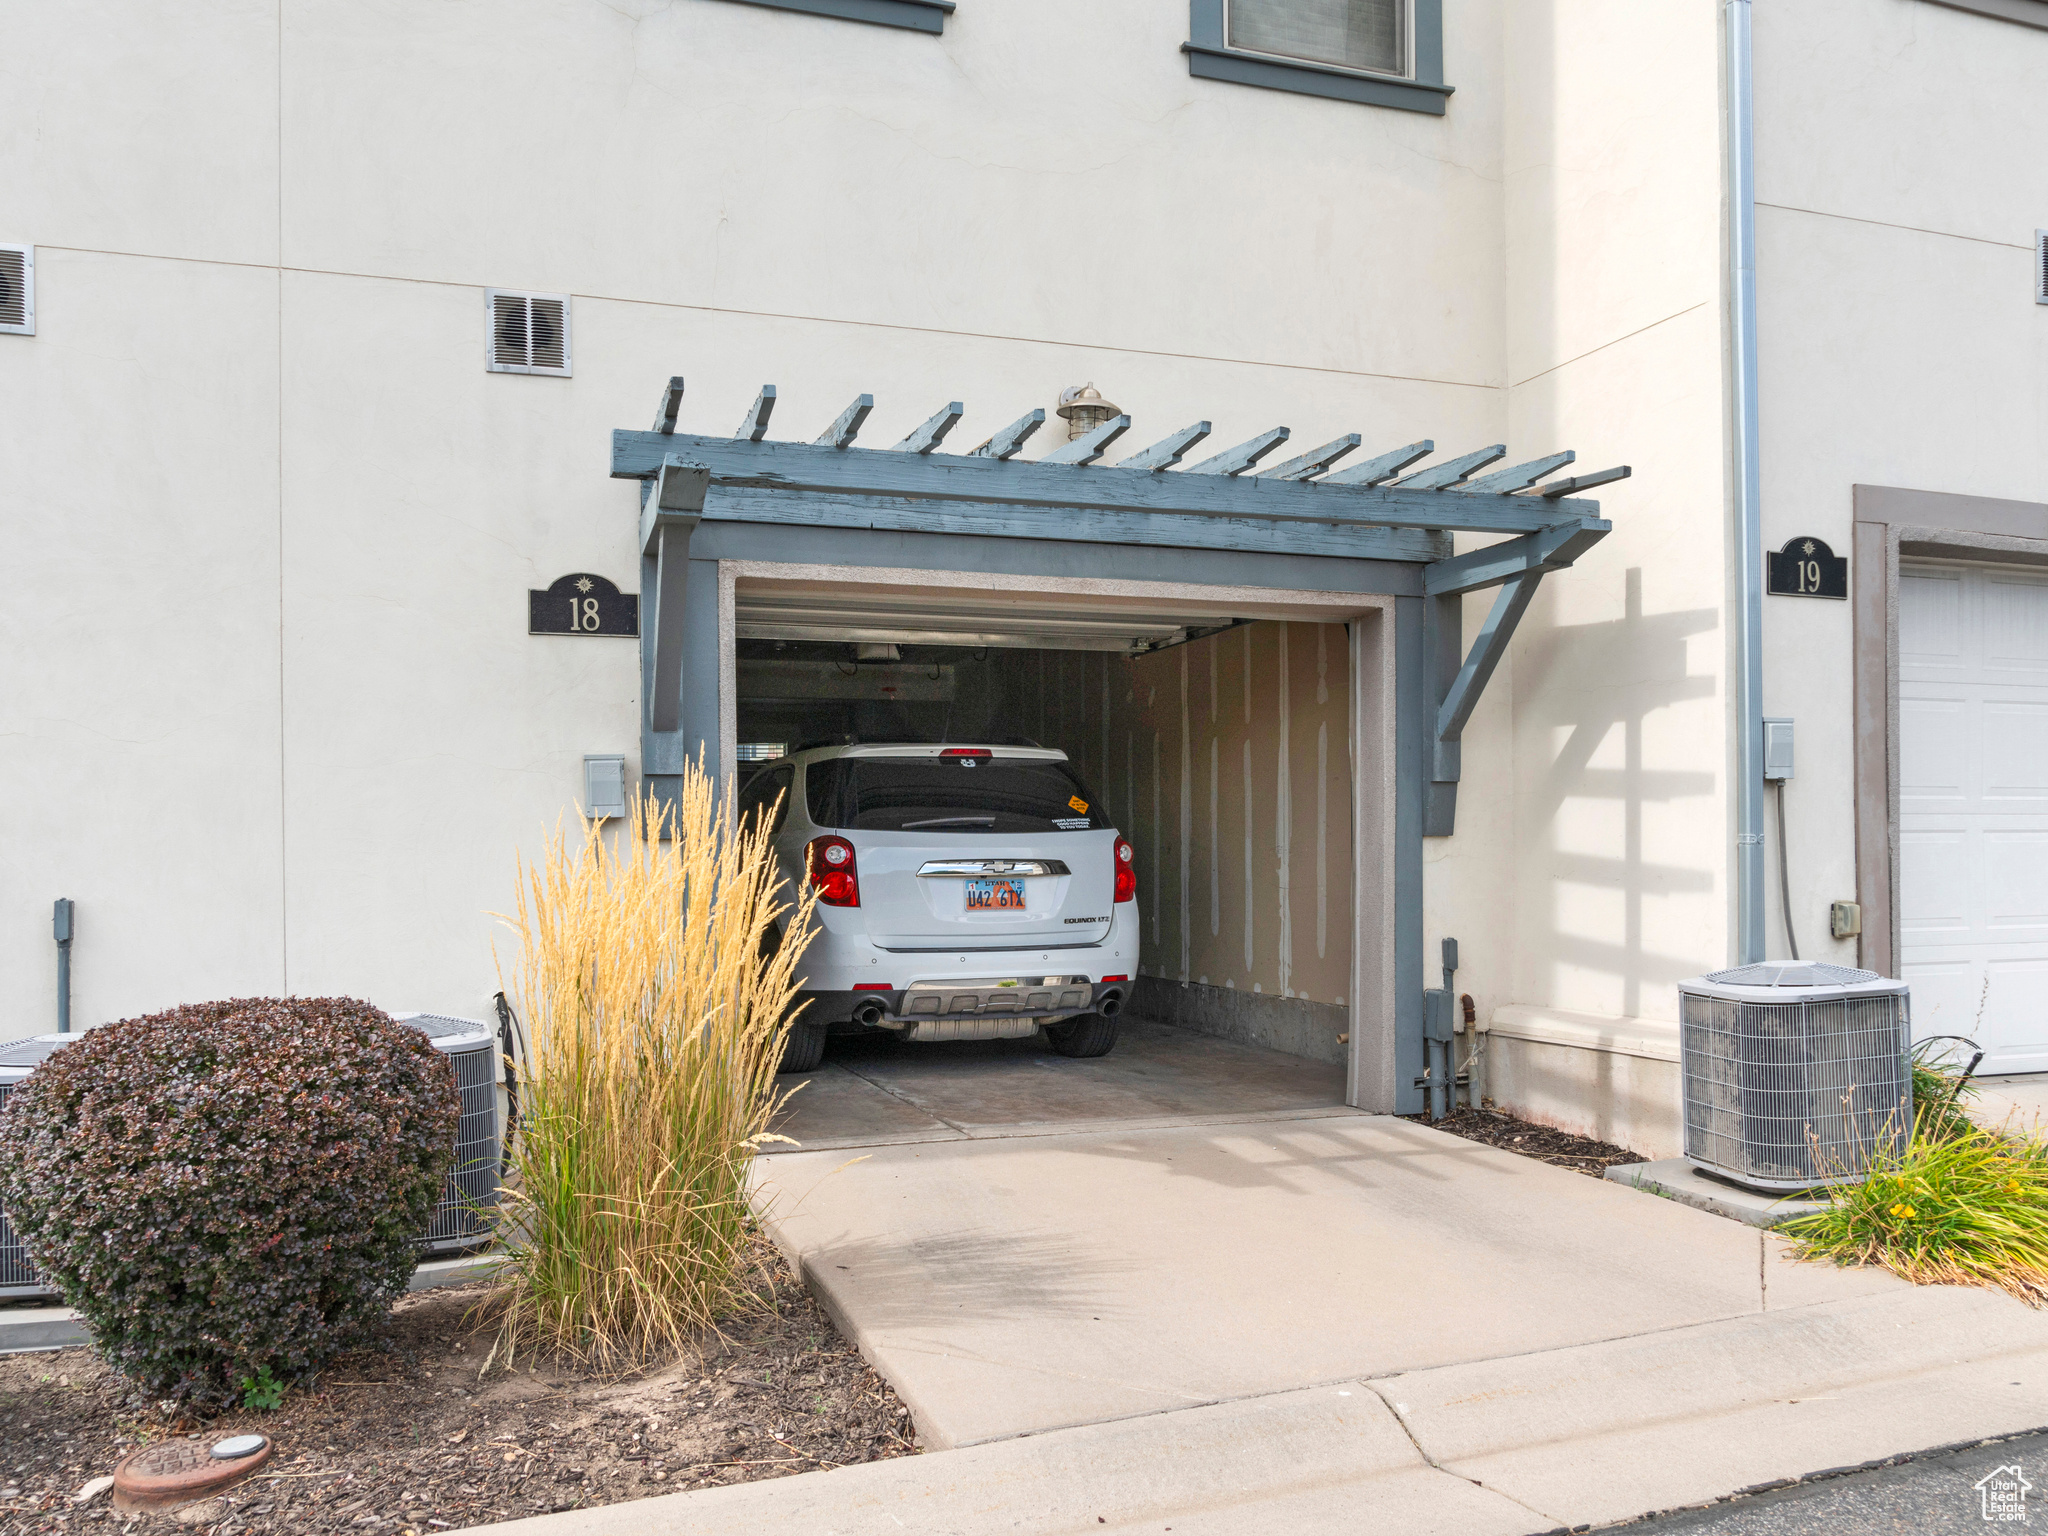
678, 627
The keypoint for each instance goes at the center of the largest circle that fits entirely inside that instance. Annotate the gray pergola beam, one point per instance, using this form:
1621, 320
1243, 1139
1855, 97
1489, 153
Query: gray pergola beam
671, 406
1089, 447
1006, 443
755, 427
1168, 451
1441, 477
933, 432
940, 478
846, 428
1306, 466
1235, 461
1377, 471
1549, 549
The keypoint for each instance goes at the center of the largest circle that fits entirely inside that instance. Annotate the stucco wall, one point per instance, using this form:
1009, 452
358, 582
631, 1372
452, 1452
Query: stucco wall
271, 715
1615, 807
1899, 183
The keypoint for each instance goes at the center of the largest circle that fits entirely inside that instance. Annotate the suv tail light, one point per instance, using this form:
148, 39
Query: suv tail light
1126, 873
829, 861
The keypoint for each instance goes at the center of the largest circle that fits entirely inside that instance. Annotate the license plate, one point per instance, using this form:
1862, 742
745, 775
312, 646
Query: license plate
995, 895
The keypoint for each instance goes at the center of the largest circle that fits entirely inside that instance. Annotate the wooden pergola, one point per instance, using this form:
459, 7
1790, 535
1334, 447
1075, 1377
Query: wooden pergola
1318, 520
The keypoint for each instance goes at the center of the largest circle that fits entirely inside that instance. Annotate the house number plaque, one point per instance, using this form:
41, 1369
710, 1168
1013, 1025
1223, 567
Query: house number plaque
582, 603
1806, 567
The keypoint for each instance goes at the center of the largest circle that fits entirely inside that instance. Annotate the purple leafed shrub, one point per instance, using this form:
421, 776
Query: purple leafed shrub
230, 1185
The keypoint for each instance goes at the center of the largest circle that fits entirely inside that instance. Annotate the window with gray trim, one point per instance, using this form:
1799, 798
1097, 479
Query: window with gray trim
914, 15
1385, 53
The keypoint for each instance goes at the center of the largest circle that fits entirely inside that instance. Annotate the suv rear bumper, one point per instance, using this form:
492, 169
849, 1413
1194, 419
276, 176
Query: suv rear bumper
902, 1009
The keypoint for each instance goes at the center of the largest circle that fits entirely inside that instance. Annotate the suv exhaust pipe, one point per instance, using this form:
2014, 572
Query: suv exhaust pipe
868, 1013
1111, 1005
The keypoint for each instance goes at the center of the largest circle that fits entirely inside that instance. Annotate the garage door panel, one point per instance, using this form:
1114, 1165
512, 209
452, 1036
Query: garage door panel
2015, 890
1930, 620
1933, 752
1973, 807
2016, 623
1944, 995
2015, 750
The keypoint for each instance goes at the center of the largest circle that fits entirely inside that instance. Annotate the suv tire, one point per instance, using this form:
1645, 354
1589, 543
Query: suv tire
803, 1048
1089, 1035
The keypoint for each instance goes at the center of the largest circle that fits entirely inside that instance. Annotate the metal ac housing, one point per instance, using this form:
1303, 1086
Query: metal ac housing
1796, 1075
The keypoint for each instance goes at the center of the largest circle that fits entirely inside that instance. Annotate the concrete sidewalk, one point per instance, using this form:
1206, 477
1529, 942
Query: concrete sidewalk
1317, 1320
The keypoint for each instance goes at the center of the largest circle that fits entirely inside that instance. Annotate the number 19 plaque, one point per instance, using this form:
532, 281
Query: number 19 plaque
1806, 567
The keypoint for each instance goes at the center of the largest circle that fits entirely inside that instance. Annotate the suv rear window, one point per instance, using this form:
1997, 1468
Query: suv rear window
951, 794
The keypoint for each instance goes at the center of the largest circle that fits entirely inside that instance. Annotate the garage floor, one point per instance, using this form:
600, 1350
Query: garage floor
882, 1092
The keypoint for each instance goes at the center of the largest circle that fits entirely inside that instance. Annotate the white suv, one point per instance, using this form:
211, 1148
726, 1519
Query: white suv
964, 893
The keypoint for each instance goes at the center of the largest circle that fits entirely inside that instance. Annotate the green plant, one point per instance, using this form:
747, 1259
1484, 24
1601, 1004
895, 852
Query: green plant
263, 1391
1968, 1208
656, 1009
1940, 1093
230, 1187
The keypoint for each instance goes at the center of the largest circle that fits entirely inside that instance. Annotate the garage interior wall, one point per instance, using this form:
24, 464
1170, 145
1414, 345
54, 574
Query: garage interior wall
1227, 762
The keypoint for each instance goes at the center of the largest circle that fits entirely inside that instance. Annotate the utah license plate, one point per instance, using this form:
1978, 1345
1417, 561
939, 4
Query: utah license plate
995, 895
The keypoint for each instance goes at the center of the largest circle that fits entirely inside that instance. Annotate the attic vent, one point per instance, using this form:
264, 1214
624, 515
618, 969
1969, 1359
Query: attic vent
2041, 266
18, 289
529, 332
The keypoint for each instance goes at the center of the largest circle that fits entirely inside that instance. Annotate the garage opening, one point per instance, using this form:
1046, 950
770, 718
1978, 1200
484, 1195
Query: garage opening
1215, 742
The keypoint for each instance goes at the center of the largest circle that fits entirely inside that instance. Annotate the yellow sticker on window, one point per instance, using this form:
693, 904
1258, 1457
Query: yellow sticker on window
1080, 806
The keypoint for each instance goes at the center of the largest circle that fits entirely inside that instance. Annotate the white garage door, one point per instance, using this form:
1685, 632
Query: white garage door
1973, 806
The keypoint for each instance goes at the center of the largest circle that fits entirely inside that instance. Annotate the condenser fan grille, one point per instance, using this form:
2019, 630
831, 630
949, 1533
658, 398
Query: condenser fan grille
1794, 1094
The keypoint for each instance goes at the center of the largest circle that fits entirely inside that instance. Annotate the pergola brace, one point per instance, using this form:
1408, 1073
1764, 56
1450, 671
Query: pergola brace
1548, 549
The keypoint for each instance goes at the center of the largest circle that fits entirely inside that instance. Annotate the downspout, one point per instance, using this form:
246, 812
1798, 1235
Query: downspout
1749, 559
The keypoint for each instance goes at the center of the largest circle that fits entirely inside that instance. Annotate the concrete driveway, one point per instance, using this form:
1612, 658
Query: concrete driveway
1185, 1287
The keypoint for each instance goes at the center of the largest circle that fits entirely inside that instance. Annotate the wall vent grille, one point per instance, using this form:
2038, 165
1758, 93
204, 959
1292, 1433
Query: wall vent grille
18, 290
529, 332
2041, 266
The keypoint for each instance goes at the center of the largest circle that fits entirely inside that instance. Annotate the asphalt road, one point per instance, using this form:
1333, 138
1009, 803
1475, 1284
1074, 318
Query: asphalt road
1926, 1496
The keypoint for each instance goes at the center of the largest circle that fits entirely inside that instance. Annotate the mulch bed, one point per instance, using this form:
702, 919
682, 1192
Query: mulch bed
410, 1440
1545, 1143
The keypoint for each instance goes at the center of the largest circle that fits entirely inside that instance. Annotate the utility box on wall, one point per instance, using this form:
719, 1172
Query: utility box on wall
604, 787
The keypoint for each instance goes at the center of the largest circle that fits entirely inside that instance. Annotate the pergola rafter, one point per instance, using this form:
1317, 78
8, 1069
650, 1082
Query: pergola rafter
1305, 505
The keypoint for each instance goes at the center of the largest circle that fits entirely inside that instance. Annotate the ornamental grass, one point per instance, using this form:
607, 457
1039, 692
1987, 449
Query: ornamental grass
655, 1004
1959, 1205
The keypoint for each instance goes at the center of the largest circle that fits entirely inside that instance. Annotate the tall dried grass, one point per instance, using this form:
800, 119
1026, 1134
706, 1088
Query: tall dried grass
655, 1023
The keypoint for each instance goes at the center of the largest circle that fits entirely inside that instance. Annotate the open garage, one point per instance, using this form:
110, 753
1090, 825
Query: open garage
1259, 680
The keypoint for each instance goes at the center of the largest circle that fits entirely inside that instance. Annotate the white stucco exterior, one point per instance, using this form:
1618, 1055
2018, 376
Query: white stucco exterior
270, 714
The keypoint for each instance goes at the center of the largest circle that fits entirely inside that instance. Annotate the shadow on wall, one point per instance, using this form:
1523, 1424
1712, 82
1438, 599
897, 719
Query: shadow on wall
1609, 825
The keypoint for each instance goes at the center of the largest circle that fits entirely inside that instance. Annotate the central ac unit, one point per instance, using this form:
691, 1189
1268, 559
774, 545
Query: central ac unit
1796, 1075
18, 1058
462, 1218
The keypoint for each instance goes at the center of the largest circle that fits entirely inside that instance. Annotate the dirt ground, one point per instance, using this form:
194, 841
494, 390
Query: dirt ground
411, 1441
1542, 1142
